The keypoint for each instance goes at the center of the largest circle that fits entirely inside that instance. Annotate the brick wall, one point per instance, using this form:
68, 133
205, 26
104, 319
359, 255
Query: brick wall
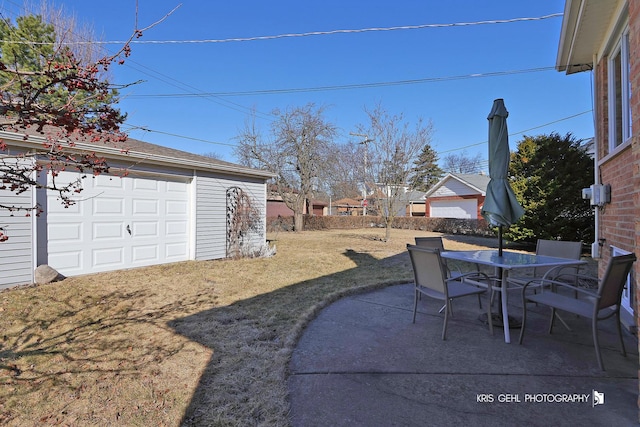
634, 54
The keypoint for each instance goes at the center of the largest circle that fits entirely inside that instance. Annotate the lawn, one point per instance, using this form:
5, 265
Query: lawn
192, 343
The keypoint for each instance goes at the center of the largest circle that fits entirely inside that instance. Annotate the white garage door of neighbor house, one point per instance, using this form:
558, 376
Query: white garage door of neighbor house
467, 209
119, 223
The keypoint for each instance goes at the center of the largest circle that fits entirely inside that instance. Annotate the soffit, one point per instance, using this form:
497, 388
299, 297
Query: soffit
585, 26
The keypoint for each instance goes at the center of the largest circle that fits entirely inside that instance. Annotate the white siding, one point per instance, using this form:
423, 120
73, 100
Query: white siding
211, 224
16, 254
453, 187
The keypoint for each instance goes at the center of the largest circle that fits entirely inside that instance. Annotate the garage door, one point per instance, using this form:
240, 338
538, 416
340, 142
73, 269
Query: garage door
467, 209
119, 223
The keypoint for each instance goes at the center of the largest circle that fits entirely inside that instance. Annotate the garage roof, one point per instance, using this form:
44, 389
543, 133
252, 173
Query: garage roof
477, 182
143, 152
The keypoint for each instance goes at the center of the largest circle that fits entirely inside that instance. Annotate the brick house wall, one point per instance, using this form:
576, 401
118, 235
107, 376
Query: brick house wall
620, 220
634, 161
618, 224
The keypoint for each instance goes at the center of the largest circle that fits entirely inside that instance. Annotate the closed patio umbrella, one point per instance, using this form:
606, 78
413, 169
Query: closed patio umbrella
500, 207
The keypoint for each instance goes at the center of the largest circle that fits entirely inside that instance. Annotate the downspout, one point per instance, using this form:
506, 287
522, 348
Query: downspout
595, 246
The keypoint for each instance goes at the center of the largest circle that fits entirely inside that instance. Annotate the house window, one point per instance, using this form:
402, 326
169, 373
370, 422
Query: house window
619, 94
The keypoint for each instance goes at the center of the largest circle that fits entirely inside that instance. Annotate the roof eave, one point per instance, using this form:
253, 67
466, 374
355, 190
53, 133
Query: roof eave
116, 153
585, 26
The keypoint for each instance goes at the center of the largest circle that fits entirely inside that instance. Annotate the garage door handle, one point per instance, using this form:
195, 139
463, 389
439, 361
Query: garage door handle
129, 229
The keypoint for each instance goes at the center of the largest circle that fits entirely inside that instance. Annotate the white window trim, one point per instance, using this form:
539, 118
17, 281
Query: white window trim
621, 48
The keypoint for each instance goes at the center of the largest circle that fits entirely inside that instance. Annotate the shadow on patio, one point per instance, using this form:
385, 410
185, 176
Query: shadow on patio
356, 359
362, 362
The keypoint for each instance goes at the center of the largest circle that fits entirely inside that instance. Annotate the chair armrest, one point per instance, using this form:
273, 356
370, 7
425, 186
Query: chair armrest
554, 282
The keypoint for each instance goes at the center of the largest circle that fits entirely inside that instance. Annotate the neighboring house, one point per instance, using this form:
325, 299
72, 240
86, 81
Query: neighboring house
403, 198
601, 36
347, 206
171, 206
276, 207
417, 204
457, 196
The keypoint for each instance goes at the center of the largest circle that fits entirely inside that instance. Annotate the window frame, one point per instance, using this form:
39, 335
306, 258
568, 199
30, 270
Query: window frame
620, 106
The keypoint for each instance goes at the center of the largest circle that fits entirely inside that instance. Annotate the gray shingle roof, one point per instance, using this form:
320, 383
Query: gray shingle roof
144, 151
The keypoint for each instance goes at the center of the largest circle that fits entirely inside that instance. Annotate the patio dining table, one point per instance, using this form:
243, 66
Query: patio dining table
505, 263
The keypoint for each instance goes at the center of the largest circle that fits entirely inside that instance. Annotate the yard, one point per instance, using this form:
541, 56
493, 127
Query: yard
193, 343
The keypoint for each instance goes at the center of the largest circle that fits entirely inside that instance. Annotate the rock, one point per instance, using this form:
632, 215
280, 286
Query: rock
45, 274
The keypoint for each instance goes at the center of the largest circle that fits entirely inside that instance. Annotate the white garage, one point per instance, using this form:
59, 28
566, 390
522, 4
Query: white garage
119, 222
160, 205
467, 209
457, 196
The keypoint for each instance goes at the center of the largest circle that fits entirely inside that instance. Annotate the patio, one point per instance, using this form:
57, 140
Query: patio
362, 362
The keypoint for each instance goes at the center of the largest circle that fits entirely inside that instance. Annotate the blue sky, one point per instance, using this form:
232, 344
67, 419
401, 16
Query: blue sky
176, 101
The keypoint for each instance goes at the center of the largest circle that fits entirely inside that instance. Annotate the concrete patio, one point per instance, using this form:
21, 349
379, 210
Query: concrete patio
362, 362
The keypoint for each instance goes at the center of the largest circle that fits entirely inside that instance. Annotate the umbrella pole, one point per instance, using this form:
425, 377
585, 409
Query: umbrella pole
499, 240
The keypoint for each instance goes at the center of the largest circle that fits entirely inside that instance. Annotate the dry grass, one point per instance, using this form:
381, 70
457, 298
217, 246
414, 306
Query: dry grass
193, 343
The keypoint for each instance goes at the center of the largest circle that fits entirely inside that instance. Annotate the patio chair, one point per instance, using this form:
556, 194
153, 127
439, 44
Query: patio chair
437, 243
600, 305
431, 279
554, 248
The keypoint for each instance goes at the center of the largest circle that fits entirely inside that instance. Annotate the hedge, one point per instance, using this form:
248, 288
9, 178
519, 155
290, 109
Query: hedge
474, 227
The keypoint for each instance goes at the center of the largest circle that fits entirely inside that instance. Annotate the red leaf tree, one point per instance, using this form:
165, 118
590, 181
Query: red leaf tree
48, 94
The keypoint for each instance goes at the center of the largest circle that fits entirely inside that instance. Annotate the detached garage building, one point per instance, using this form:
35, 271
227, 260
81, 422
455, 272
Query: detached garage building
457, 196
157, 205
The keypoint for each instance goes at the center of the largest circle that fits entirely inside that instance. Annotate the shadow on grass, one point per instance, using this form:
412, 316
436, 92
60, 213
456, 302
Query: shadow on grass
252, 340
84, 339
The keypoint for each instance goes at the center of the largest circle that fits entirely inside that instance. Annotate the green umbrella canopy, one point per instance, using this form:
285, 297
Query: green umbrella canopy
500, 205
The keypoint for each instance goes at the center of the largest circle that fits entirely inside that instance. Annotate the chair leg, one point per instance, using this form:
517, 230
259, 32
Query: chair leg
446, 318
553, 317
596, 343
617, 317
415, 304
489, 313
524, 318
479, 302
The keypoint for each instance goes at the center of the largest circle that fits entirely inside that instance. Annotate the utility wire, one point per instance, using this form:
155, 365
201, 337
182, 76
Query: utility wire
144, 128
329, 32
345, 87
518, 133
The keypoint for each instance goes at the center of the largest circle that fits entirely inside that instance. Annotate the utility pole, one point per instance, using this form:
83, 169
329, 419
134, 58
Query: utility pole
364, 142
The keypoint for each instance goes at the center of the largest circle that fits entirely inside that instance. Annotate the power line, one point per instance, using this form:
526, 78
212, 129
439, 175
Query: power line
132, 127
346, 87
519, 132
143, 128
329, 32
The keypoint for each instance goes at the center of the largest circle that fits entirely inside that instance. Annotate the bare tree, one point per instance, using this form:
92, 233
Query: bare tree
461, 163
299, 137
213, 155
394, 148
342, 173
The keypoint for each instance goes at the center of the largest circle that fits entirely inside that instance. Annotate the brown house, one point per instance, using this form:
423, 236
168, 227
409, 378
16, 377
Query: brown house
276, 207
348, 206
603, 37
